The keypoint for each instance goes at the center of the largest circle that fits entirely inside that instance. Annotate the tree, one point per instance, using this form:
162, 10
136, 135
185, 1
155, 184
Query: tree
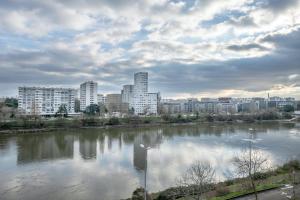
113, 121
11, 102
197, 180
249, 163
288, 108
298, 105
6, 111
77, 105
102, 109
62, 111
92, 109
131, 111
197, 115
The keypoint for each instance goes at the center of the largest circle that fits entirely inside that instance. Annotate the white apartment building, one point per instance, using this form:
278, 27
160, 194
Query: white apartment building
101, 99
127, 95
45, 101
143, 102
88, 94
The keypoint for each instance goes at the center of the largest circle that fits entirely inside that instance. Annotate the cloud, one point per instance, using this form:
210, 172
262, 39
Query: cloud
246, 47
293, 76
278, 5
189, 47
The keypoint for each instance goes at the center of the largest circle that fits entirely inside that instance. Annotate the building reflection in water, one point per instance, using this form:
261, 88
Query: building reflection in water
150, 139
44, 147
88, 146
101, 139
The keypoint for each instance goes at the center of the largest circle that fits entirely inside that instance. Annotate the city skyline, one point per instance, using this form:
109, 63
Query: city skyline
122, 87
194, 48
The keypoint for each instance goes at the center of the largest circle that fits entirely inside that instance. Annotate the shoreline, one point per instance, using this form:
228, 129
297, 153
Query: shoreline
16, 131
274, 180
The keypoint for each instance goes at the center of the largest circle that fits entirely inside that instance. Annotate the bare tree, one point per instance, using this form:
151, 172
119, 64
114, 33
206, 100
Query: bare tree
250, 162
197, 180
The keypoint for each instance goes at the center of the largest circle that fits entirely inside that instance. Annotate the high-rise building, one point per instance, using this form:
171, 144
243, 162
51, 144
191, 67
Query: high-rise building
45, 101
88, 94
141, 82
127, 95
143, 102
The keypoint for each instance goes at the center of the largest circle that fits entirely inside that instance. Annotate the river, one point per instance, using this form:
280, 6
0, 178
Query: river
109, 164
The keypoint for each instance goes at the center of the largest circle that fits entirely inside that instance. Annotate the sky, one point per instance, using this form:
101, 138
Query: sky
191, 48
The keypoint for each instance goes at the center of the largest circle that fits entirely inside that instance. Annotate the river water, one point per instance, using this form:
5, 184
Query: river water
109, 164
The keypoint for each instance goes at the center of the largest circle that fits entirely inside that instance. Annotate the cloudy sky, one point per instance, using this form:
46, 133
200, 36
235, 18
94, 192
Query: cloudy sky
191, 48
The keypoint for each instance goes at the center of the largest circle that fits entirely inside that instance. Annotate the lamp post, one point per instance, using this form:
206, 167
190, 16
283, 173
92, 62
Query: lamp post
250, 147
145, 170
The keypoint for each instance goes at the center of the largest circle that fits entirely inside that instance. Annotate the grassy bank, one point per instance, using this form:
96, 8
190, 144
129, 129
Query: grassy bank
240, 187
33, 122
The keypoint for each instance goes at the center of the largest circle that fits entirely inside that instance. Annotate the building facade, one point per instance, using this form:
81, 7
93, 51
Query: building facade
45, 101
101, 99
88, 94
143, 103
113, 103
127, 95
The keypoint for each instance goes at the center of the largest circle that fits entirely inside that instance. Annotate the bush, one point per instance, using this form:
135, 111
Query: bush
113, 121
249, 119
89, 122
135, 120
286, 115
260, 176
209, 118
5, 126
76, 123
269, 115
221, 191
60, 122
147, 121
293, 164
166, 118
229, 182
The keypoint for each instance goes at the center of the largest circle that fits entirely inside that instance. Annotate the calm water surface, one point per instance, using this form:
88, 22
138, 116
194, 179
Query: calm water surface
108, 164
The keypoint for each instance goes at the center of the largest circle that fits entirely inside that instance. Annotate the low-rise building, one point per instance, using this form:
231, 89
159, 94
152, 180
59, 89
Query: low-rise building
101, 99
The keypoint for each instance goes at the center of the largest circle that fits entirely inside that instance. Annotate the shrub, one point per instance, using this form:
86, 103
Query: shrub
89, 122
76, 123
209, 118
135, 120
147, 121
5, 126
286, 115
166, 117
269, 115
293, 164
221, 191
229, 182
60, 122
260, 176
113, 121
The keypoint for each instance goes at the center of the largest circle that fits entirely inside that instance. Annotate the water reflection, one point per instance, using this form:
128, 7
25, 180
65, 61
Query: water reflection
107, 164
44, 147
141, 142
88, 146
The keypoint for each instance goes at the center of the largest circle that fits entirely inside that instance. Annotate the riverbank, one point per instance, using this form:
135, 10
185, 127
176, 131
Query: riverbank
49, 125
238, 188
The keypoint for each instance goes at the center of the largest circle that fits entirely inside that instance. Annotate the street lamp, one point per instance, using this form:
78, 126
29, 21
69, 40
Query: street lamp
145, 178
